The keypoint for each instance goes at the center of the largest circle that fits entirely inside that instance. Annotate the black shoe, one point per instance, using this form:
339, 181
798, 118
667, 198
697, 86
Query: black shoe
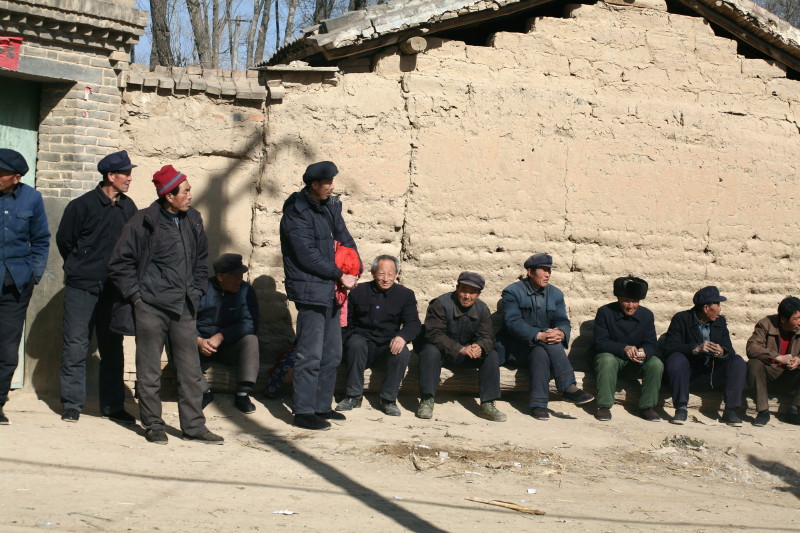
208, 397
731, 418
390, 408
311, 422
71, 415
579, 397
4, 421
244, 404
650, 415
206, 438
331, 415
680, 417
603, 414
156, 436
349, 403
540, 413
122, 416
762, 419
793, 418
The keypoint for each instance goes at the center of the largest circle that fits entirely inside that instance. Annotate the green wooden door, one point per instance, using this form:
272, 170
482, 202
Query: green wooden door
19, 125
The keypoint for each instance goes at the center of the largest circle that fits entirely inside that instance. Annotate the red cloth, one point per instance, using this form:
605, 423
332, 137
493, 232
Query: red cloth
9, 52
347, 261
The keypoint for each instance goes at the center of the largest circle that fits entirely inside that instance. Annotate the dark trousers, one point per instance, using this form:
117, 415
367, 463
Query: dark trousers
361, 353
430, 370
319, 352
84, 311
762, 377
153, 327
13, 306
546, 362
728, 373
243, 354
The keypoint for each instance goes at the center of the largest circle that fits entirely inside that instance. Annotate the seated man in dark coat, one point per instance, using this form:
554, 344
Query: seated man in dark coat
458, 329
382, 318
773, 352
536, 332
698, 354
226, 326
626, 344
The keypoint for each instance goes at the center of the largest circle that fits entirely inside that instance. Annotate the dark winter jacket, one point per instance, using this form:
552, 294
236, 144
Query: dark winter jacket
450, 327
234, 314
683, 335
308, 230
380, 316
86, 236
614, 330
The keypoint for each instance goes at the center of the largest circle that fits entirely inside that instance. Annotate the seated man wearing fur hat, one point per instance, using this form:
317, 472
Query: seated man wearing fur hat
698, 354
536, 332
626, 344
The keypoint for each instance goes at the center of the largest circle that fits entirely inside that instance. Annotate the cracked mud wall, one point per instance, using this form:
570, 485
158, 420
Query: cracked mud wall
620, 140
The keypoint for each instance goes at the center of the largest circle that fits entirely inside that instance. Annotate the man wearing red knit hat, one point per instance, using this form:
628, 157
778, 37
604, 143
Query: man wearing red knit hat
160, 265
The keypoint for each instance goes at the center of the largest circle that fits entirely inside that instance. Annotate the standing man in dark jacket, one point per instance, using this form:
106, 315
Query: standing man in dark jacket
698, 354
312, 221
227, 324
88, 231
536, 332
458, 329
382, 318
24, 245
626, 344
160, 265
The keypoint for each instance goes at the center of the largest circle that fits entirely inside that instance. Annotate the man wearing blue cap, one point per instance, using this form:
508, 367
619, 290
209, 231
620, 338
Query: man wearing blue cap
536, 332
23, 256
86, 236
698, 354
311, 224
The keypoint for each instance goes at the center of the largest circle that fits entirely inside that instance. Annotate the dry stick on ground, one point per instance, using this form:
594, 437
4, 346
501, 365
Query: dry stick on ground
508, 505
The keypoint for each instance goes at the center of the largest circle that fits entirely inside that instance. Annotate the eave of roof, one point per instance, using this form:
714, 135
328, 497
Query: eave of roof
360, 32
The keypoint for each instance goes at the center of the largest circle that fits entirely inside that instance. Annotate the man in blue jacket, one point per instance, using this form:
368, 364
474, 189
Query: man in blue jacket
311, 223
536, 332
88, 231
698, 354
626, 344
227, 323
23, 256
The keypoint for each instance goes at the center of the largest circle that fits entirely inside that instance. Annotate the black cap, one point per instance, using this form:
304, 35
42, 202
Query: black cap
707, 295
630, 287
115, 162
229, 264
538, 260
473, 279
13, 160
324, 170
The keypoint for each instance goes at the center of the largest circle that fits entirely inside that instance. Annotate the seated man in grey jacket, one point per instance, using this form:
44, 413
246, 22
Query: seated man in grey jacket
458, 332
226, 326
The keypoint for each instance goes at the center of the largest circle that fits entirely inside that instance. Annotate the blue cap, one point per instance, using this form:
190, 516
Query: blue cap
115, 162
324, 170
707, 295
13, 160
538, 260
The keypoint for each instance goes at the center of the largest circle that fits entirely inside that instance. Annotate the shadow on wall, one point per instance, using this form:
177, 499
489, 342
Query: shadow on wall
275, 331
43, 349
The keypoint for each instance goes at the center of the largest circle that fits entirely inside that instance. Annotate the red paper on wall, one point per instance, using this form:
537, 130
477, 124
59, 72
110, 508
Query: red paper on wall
9, 52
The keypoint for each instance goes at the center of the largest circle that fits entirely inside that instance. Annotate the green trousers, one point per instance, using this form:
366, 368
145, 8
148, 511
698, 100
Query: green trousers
608, 367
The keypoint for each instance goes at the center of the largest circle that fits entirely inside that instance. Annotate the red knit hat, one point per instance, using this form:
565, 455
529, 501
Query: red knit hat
167, 179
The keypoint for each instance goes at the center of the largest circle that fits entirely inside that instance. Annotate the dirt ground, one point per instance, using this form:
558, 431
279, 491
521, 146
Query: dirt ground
377, 473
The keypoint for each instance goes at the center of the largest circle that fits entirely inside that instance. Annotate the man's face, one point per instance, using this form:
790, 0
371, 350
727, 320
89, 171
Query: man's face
8, 180
230, 282
120, 180
628, 306
792, 323
467, 295
385, 274
712, 311
182, 201
539, 276
321, 189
